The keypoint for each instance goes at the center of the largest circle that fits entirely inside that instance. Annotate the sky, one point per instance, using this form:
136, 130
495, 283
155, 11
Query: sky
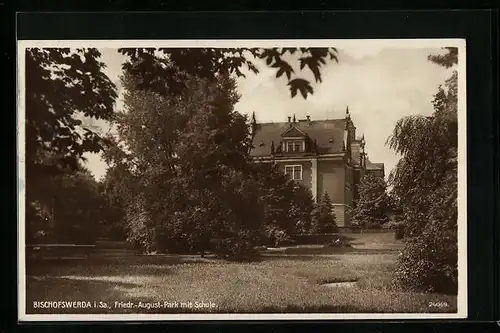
379, 85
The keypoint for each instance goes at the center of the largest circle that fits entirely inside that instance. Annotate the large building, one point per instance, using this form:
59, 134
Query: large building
324, 155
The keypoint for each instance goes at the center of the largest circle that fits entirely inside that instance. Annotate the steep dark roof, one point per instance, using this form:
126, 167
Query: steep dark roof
329, 135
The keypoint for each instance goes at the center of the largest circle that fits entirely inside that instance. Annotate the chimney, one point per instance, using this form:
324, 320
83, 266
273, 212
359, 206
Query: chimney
289, 119
308, 118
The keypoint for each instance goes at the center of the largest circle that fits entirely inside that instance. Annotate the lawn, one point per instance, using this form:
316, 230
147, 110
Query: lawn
282, 281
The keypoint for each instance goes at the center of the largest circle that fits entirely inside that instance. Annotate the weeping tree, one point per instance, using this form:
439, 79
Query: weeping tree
425, 186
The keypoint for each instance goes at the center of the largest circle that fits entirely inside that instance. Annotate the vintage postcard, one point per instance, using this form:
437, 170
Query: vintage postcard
242, 179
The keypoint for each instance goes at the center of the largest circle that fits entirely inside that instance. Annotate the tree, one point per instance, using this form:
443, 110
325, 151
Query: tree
448, 59
188, 158
116, 194
425, 185
70, 212
323, 218
287, 204
164, 70
62, 86
373, 204
302, 205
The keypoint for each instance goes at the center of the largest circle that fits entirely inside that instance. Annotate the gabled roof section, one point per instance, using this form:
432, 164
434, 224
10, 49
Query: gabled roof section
293, 132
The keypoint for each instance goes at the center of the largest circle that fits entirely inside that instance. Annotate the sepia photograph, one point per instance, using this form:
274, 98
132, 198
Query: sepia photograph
242, 179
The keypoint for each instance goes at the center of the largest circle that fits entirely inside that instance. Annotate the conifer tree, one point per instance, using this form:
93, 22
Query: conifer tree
373, 203
323, 218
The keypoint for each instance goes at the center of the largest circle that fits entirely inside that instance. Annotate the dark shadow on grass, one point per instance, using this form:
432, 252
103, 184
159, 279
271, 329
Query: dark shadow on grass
93, 269
143, 264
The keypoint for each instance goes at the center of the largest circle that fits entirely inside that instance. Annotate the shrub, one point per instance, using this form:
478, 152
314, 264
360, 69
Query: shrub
428, 262
276, 236
238, 246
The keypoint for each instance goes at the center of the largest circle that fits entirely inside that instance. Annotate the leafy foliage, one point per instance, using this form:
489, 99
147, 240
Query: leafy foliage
373, 204
323, 218
425, 185
186, 160
287, 204
179, 133
446, 60
69, 212
61, 85
115, 191
301, 208
165, 70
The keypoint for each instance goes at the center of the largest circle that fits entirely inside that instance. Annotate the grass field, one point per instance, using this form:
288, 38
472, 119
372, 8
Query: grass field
285, 280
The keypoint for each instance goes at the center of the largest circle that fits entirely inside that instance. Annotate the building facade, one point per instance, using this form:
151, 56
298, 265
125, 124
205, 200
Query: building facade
323, 155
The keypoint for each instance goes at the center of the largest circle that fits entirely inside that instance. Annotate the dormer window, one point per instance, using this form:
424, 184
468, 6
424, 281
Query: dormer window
293, 140
294, 146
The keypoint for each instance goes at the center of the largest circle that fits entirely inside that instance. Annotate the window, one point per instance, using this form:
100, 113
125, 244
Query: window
294, 146
294, 171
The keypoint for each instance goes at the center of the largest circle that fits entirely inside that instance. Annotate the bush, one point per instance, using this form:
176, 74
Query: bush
239, 246
277, 237
428, 262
